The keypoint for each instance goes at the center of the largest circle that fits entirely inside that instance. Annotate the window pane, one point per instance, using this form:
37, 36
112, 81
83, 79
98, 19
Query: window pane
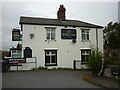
87, 31
47, 59
53, 30
83, 52
52, 36
87, 36
83, 36
48, 35
47, 30
13, 51
47, 53
53, 52
87, 52
83, 58
52, 59
83, 31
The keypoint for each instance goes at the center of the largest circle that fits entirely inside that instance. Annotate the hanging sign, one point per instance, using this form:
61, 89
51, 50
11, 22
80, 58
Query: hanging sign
16, 35
68, 33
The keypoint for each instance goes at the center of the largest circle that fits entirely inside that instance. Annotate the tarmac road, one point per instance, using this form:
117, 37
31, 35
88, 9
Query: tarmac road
44, 79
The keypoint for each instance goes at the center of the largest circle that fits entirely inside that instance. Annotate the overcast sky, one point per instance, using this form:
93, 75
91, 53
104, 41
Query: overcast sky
100, 13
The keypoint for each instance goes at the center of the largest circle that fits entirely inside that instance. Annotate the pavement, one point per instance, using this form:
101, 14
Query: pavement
100, 81
56, 79
106, 82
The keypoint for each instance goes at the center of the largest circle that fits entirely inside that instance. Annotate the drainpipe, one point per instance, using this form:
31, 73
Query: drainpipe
96, 38
22, 39
97, 49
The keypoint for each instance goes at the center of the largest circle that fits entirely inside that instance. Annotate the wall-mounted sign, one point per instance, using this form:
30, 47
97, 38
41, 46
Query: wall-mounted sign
68, 34
16, 35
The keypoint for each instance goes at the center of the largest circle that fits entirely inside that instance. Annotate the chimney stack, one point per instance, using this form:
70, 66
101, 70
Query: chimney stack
61, 13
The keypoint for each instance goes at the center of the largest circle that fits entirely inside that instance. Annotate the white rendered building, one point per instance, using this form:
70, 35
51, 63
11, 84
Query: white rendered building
58, 42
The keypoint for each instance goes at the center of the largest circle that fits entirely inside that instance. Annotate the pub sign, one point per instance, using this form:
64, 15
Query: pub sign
68, 33
16, 35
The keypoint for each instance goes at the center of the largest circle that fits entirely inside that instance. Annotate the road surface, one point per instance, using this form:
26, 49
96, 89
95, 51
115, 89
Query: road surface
44, 79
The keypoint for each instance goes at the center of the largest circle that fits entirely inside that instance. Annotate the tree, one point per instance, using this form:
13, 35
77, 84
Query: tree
112, 36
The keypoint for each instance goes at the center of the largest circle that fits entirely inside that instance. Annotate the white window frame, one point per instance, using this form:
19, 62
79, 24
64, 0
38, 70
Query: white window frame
86, 34
50, 31
85, 54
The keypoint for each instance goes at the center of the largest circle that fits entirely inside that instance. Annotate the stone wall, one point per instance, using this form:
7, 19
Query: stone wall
107, 73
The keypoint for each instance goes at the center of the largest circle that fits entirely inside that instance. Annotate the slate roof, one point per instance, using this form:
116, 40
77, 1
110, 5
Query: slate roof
56, 22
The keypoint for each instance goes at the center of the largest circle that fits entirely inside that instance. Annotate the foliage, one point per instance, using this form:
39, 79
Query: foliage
108, 60
95, 60
60, 68
39, 68
45, 68
112, 35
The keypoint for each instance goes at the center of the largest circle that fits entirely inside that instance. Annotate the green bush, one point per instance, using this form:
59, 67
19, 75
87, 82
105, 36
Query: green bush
95, 61
39, 68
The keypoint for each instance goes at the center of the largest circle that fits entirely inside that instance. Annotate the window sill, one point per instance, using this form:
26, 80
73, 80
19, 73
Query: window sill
50, 40
85, 41
51, 65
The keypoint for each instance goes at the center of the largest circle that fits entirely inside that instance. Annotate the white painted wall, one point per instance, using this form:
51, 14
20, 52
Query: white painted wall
67, 51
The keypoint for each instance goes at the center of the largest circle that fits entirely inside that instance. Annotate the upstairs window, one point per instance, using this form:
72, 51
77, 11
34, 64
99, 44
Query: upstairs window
85, 34
50, 33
